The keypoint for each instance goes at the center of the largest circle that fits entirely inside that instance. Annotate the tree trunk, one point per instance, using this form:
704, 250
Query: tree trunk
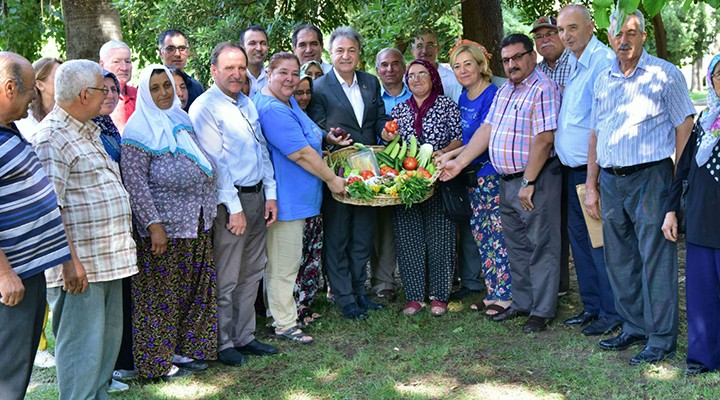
660, 36
88, 25
696, 80
483, 22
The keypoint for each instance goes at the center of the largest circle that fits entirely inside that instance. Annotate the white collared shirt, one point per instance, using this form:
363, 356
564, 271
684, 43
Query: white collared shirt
229, 131
257, 83
353, 95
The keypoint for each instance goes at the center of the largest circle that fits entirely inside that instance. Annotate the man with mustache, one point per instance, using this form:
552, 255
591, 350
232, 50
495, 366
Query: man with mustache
254, 39
590, 58
519, 133
641, 116
173, 51
227, 127
549, 46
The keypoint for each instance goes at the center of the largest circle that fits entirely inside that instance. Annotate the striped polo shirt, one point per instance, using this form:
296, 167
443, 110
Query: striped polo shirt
635, 116
31, 229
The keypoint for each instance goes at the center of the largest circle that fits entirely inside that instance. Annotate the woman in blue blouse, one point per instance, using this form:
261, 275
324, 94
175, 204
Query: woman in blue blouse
294, 142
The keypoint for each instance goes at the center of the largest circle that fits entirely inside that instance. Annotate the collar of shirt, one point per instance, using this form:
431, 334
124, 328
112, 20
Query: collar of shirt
402, 93
527, 82
584, 59
564, 57
87, 129
259, 77
342, 81
642, 63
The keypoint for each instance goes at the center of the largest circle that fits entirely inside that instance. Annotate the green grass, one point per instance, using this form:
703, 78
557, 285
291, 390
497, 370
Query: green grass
458, 356
696, 96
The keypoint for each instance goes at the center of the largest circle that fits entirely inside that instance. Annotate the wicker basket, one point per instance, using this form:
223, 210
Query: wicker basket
380, 200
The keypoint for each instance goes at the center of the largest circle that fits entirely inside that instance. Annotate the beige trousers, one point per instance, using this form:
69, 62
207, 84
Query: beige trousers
284, 250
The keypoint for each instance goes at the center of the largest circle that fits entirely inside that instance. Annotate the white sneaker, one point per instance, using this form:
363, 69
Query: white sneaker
43, 359
117, 386
124, 374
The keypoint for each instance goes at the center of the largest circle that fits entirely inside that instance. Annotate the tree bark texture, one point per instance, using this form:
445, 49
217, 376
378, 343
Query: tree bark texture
88, 25
483, 22
660, 36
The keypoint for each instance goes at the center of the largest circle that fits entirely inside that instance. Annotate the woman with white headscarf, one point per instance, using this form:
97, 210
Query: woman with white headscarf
700, 166
172, 195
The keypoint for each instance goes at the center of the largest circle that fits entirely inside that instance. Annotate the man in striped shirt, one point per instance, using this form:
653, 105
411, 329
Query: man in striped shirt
32, 238
641, 115
519, 133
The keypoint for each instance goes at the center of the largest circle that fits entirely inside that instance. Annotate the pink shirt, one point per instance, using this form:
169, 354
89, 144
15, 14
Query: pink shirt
519, 113
125, 108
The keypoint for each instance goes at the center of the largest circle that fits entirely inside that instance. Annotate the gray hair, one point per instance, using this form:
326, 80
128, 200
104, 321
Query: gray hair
112, 45
388, 50
73, 76
615, 18
346, 32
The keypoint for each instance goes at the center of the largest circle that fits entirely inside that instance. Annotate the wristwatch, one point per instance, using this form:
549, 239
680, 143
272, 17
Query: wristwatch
526, 183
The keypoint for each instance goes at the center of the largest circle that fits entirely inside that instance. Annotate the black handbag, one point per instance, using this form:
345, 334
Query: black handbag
456, 202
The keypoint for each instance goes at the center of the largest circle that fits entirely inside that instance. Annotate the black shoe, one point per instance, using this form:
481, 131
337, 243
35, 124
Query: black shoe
581, 319
352, 311
387, 294
462, 293
601, 326
535, 324
179, 374
193, 365
257, 348
366, 304
695, 368
622, 341
651, 355
509, 314
230, 356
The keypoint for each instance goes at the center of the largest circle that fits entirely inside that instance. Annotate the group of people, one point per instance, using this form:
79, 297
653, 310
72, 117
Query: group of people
152, 213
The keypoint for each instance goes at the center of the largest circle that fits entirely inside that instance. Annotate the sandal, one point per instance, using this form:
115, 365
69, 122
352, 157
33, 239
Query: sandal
438, 308
479, 305
412, 307
498, 309
294, 334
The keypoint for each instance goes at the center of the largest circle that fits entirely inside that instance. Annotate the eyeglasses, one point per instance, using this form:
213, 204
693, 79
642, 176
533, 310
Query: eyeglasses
514, 58
418, 76
547, 35
172, 49
428, 45
102, 89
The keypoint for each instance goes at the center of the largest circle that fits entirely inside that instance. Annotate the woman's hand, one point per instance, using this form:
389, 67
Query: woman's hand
336, 185
158, 239
670, 226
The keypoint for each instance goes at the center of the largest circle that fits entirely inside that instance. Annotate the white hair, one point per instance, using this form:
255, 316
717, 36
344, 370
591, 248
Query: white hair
112, 45
73, 76
615, 18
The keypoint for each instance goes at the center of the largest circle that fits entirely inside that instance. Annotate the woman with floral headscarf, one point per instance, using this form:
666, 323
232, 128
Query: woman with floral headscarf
172, 194
700, 166
425, 237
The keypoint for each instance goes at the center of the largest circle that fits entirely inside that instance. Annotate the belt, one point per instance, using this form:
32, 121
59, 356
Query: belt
581, 168
623, 171
250, 189
509, 177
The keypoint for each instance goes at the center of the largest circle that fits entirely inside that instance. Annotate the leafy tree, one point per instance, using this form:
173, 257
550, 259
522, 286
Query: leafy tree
23, 26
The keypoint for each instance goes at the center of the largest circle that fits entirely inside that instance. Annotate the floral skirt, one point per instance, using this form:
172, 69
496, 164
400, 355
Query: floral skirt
310, 274
487, 229
174, 304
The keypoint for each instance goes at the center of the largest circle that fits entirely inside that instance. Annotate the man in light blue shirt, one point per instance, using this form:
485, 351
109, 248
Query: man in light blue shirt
588, 58
227, 127
641, 115
390, 67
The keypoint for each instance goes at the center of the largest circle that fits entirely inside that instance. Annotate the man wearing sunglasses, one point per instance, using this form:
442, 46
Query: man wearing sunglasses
174, 50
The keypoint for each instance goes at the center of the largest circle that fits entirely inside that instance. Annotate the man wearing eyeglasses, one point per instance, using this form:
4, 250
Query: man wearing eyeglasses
174, 50
547, 42
518, 133
426, 47
86, 294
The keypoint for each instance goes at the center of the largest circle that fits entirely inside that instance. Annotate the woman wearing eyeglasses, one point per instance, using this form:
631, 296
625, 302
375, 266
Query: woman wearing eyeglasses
172, 194
425, 237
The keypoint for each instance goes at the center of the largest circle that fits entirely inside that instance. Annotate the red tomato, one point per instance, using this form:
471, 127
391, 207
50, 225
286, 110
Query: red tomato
410, 164
391, 126
392, 171
424, 173
367, 174
353, 179
384, 169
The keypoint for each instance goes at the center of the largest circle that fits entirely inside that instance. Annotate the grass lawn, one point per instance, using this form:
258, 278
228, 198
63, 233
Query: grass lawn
458, 356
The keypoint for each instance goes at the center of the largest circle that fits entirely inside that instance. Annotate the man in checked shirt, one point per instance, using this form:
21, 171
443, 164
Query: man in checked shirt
519, 134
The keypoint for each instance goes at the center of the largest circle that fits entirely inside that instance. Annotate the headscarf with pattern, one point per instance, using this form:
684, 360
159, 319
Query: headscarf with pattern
435, 91
109, 134
710, 120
